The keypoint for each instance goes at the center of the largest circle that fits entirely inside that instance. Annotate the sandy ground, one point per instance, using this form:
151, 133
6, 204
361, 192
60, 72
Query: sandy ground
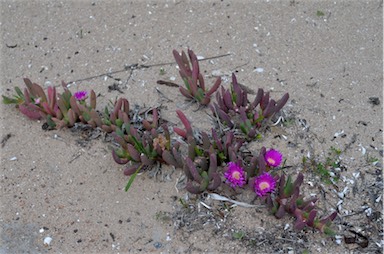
65, 185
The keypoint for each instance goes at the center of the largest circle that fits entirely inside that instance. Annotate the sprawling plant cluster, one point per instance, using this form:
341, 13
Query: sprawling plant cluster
209, 160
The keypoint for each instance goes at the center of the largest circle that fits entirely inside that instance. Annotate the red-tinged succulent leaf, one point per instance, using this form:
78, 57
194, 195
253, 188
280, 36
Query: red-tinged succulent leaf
180, 132
130, 170
185, 92
280, 103
118, 160
270, 109
252, 133
126, 106
59, 123
215, 183
180, 60
299, 224
92, 123
74, 105
216, 139
46, 108
231, 154
62, 107
225, 117
299, 180
193, 170
125, 118
35, 90
27, 96
301, 203
185, 122
212, 165
329, 218
155, 117
192, 57
193, 188
264, 101
120, 140
133, 152
96, 118
31, 112
214, 88
106, 128
311, 218
227, 98
280, 212
205, 140
92, 99
201, 83
169, 159
177, 155
195, 73
205, 101
258, 98
145, 160
146, 125
71, 117
262, 165
52, 96
191, 147
220, 103
117, 106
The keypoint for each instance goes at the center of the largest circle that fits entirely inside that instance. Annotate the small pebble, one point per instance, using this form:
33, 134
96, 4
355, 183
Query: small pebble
157, 245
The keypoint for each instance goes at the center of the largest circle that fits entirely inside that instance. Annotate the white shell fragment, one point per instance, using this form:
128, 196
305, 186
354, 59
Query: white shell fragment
222, 198
338, 239
259, 70
338, 133
363, 150
47, 240
200, 57
13, 158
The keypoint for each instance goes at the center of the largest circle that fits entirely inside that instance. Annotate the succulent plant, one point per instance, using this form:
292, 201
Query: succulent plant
33, 102
193, 79
235, 110
117, 117
202, 174
289, 201
145, 147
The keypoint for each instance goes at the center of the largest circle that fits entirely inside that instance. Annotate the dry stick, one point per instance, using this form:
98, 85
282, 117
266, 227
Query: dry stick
136, 66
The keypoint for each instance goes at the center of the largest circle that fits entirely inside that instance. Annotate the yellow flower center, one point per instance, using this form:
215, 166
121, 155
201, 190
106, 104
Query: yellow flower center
264, 185
271, 161
236, 175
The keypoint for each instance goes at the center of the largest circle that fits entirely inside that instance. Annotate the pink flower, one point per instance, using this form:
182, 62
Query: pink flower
37, 101
81, 95
235, 175
264, 183
273, 158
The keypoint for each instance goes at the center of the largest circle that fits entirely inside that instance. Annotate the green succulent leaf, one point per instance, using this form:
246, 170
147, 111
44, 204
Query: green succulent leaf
288, 188
132, 178
7, 100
